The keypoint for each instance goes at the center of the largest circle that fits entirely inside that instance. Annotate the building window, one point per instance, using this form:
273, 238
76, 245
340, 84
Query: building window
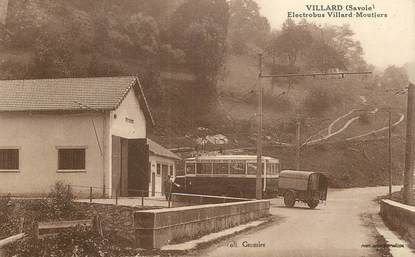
128, 120
9, 159
71, 159
171, 170
158, 168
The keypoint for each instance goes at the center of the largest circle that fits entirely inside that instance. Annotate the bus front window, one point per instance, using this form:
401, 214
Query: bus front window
190, 168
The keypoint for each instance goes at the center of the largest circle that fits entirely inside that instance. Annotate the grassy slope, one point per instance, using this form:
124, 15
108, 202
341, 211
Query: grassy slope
357, 163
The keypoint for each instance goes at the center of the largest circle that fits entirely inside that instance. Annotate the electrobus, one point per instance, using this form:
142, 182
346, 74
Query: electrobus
228, 175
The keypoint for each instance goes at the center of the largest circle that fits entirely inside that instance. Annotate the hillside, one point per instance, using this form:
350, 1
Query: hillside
356, 108
199, 69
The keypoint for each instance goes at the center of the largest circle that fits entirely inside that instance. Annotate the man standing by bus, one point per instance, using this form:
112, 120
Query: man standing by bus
167, 187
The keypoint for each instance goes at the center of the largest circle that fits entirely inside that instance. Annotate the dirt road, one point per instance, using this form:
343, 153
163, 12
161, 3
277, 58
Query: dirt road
341, 228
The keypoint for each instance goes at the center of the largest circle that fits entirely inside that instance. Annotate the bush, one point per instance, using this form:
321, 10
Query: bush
8, 223
319, 100
74, 242
61, 200
364, 118
59, 205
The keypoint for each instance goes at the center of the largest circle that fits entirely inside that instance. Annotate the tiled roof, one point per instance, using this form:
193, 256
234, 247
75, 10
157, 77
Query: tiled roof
66, 94
159, 150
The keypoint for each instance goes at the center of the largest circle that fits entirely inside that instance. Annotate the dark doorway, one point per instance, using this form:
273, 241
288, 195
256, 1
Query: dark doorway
130, 166
153, 184
138, 167
164, 173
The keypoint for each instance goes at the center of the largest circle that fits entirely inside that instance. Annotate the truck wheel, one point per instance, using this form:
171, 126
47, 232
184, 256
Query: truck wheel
289, 199
312, 203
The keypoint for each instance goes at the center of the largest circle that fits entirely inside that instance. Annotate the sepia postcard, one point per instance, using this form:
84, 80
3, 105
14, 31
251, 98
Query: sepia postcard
207, 128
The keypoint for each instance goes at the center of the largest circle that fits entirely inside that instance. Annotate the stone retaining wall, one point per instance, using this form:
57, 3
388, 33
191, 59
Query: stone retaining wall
155, 228
116, 220
400, 217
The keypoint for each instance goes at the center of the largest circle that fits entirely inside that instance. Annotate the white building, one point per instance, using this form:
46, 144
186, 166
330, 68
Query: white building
87, 132
163, 163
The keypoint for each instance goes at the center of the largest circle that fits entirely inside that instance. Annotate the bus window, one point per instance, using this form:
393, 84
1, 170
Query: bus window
190, 168
237, 168
251, 167
220, 168
269, 168
204, 168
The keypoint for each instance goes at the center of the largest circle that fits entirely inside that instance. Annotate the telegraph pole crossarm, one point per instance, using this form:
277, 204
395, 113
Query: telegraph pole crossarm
289, 75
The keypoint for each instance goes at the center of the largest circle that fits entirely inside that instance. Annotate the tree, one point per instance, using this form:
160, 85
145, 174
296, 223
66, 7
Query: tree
394, 77
292, 41
347, 51
247, 27
324, 57
199, 28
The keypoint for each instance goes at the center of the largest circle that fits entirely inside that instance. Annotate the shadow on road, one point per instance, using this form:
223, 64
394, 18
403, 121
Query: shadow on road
295, 207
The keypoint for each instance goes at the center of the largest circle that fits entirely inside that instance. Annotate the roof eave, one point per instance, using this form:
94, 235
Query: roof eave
142, 97
164, 156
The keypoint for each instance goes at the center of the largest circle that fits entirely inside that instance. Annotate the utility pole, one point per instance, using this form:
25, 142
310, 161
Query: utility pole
298, 142
258, 183
390, 153
260, 114
409, 163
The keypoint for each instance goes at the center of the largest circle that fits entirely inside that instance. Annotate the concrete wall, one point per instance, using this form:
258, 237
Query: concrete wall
154, 159
38, 137
400, 217
155, 228
179, 199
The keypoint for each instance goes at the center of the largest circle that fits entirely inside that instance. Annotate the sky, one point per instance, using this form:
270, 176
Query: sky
385, 41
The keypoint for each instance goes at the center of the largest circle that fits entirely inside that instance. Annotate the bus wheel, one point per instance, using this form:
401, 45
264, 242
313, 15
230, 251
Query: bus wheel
312, 203
289, 199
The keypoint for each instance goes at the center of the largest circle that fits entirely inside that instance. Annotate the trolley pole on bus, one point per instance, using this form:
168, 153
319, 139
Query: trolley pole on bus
260, 112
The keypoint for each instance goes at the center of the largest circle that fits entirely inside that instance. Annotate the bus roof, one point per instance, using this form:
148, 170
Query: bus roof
229, 157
